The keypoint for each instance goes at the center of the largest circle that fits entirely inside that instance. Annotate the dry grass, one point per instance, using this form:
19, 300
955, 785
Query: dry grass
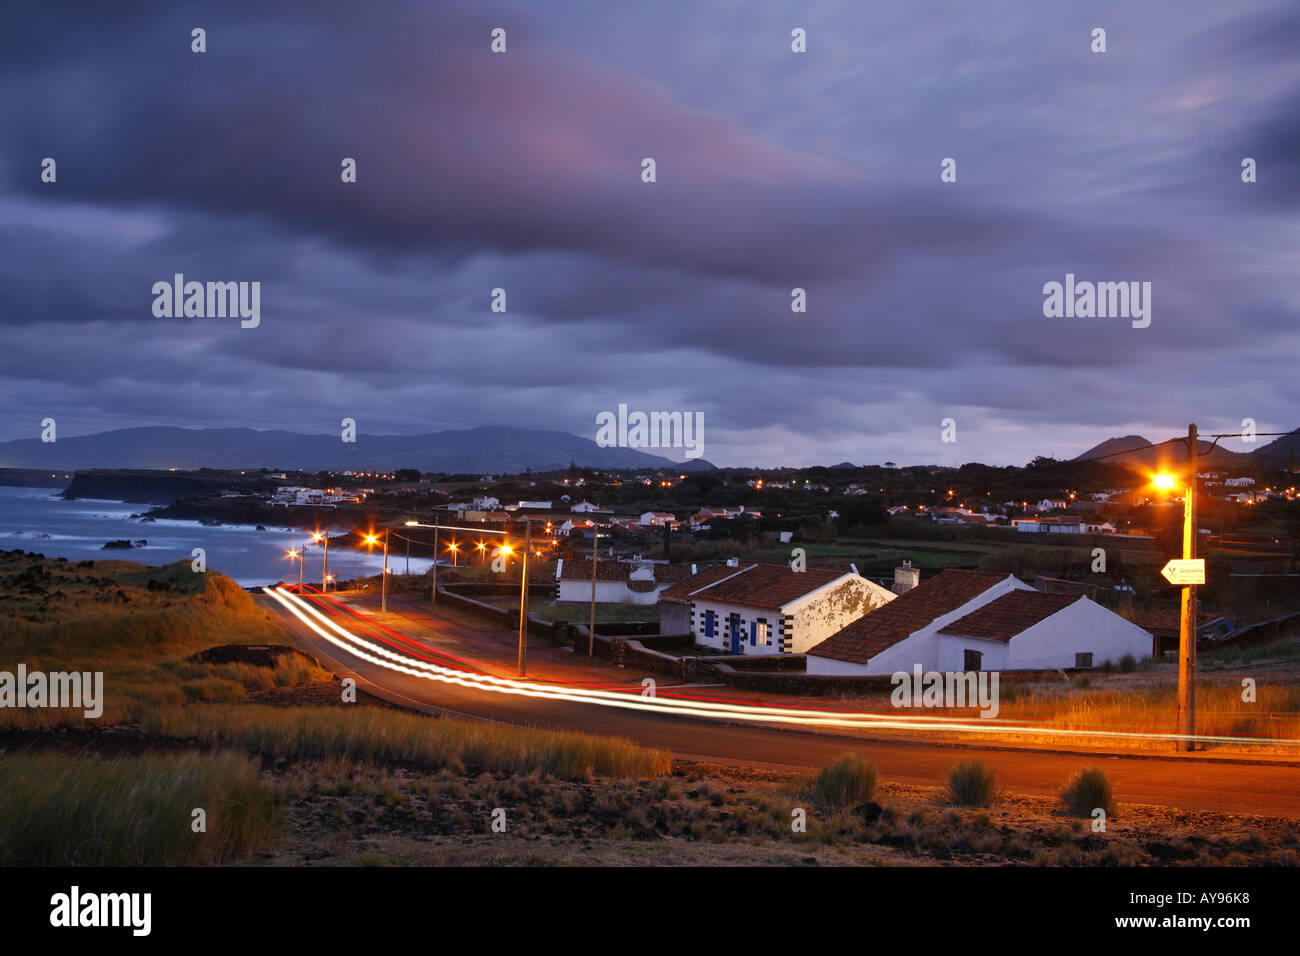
391, 736
1273, 716
59, 810
138, 625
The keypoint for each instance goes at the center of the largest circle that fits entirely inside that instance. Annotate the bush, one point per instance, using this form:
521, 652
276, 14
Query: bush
971, 784
846, 781
1128, 664
1087, 792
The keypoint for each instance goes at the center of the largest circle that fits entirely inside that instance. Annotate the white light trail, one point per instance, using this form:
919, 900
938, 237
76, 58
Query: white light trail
381, 656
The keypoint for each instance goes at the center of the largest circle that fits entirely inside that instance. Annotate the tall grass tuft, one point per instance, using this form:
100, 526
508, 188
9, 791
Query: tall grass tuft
844, 782
389, 736
972, 783
60, 810
1088, 791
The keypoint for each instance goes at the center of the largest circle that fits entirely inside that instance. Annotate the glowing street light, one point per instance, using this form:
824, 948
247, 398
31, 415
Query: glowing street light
295, 554
371, 540
325, 576
1166, 481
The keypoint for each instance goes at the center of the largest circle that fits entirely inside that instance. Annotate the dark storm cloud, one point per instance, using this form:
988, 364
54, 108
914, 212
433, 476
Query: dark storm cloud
522, 171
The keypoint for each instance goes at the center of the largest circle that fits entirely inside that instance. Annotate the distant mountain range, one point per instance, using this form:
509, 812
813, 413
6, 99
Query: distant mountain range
1136, 450
491, 449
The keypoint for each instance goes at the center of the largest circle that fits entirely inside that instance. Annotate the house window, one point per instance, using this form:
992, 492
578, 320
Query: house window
760, 628
1082, 661
971, 660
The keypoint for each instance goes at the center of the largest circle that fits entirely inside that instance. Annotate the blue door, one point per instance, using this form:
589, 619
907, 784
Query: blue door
735, 634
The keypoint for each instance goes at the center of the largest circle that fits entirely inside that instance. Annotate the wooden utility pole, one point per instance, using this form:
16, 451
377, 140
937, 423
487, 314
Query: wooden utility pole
433, 592
383, 589
523, 601
595, 554
1187, 616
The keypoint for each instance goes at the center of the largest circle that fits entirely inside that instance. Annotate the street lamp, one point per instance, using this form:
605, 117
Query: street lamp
454, 548
371, 540
294, 553
325, 560
523, 600
595, 553
1187, 608
436, 526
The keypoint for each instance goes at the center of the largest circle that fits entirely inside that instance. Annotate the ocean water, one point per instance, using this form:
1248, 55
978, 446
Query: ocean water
37, 519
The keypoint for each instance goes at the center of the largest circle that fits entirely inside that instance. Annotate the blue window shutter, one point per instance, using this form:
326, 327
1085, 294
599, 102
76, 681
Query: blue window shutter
708, 623
753, 633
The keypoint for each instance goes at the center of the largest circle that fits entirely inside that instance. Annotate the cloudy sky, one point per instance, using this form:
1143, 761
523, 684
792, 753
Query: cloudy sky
775, 170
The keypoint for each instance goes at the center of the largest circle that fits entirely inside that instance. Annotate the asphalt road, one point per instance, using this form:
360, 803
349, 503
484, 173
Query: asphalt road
1189, 783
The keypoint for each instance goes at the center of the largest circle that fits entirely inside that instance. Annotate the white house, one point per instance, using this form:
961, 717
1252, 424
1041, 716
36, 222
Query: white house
575, 524
767, 608
700, 520
1239, 482
657, 519
973, 620
486, 503
617, 582
587, 506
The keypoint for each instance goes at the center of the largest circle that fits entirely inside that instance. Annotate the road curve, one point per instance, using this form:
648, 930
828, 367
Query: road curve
1189, 784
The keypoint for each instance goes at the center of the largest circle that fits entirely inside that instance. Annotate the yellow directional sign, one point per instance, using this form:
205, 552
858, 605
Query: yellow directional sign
1185, 571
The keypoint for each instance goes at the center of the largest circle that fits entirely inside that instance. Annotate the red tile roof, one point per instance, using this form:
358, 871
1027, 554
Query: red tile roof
681, 591
767, 586
912, 610
1003, 619
580, 570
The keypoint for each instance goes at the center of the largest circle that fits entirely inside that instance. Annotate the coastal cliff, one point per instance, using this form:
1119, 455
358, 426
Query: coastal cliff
160, 487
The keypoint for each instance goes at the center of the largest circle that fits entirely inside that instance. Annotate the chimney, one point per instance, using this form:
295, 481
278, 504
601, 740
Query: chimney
906, 578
